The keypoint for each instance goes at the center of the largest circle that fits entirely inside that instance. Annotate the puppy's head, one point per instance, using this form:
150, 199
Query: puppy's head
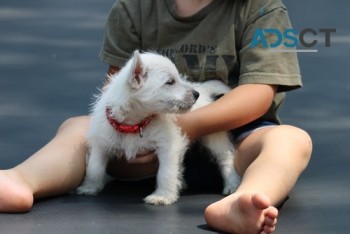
157, 86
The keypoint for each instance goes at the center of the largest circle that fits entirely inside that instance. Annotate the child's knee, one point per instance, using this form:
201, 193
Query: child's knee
296, 138
76, 125
301, 139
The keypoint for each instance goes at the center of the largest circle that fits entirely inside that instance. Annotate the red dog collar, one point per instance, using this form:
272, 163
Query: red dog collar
119, 127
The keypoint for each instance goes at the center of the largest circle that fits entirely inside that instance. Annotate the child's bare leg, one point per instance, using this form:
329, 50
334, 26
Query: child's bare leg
55, 169
271, 160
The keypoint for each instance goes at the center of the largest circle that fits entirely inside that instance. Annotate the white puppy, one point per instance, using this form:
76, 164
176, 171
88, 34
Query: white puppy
135, 113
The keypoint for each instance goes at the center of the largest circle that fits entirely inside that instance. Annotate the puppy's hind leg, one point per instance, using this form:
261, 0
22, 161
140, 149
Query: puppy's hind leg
94, 180
223, 151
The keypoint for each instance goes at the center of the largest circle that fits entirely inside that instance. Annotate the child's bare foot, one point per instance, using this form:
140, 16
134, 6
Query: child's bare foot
15, 194
242, 213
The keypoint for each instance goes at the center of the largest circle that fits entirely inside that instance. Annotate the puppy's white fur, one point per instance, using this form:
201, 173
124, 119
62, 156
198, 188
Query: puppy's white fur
150, 84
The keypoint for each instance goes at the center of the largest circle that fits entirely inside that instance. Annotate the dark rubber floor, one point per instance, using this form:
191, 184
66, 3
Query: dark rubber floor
49, 69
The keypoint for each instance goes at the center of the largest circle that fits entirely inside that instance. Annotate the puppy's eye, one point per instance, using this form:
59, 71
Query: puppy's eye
170, 82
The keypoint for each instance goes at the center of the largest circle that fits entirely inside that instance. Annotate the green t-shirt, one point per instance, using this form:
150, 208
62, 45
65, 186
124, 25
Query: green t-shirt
215, 43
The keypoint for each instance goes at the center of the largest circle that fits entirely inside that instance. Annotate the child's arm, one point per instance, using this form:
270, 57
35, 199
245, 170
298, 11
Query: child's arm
242, 105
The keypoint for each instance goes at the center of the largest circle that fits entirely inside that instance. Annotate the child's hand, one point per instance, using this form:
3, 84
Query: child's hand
186, 127
144, 157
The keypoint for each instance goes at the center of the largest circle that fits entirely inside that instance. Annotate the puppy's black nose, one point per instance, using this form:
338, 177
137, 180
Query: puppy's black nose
195, 94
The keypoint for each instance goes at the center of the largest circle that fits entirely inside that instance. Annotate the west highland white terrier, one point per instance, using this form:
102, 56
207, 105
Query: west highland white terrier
135, 112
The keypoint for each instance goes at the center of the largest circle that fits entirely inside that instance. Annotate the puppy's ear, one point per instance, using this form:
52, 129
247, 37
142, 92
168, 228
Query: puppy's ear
138, 72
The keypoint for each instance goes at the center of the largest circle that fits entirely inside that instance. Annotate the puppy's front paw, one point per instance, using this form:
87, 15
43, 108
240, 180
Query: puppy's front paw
157, 199
88, 189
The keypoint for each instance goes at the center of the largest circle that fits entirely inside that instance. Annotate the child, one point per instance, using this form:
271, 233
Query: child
206, 39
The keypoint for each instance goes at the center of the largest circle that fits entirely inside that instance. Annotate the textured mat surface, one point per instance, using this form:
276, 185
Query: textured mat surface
49, 69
